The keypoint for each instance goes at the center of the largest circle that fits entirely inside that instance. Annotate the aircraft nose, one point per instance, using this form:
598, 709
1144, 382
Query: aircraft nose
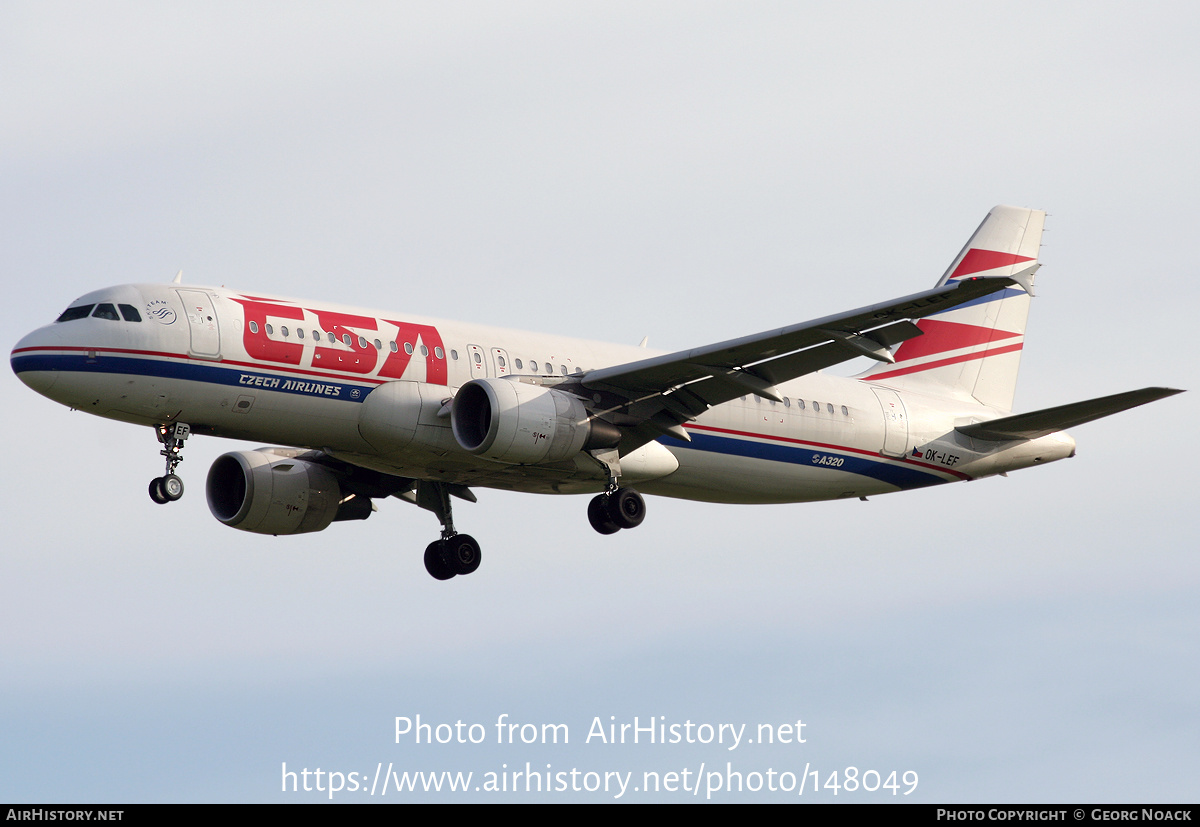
29, 366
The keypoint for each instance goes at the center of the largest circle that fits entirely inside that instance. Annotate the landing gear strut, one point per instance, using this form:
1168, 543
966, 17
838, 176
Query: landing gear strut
168, 488
454, 553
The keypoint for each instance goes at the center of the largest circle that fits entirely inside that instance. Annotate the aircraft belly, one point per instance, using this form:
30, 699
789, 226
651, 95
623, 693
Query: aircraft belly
716, 476
89, 392
720, 467
577, 476
284, 418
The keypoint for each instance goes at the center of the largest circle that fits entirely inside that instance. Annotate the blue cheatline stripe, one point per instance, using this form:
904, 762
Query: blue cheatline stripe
251, 380
897, 475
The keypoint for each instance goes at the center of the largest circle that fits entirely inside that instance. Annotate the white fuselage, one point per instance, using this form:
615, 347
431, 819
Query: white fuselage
305, 374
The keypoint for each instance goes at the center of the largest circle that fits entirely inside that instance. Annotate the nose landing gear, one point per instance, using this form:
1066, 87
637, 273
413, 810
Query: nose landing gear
168, 488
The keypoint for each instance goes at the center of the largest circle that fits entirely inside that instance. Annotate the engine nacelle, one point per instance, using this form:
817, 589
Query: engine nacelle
272, 493
522, 424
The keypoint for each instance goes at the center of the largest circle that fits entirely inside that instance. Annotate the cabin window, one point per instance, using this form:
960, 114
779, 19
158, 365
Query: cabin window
424, 350
253, 327
533, 366
478, 358
408, 348
284, 331
563, 368
316, 335
394, 347
499, 360
362, 342
787, 403
816, 406
130, 313
845, 411
800, 404
454, 355
517, 362
106, 311
270, 330
378, 345
439, 353
299, 333
331, 337
829, 407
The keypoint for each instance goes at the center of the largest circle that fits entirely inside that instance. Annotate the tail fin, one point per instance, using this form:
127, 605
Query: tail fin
974, 350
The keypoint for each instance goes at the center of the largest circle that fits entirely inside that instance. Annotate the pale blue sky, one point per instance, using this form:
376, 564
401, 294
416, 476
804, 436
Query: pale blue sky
689, 172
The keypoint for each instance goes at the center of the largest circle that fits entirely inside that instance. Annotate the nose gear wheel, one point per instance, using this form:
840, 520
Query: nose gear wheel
169, 488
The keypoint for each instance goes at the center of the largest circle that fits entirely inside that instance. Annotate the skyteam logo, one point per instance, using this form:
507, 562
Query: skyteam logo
161, 311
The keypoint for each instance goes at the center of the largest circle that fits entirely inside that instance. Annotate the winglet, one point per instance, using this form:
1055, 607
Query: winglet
1025, 278
178, 278
1022, 278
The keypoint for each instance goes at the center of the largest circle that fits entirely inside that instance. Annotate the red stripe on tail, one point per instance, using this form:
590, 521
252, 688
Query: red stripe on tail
943, 336
976, 261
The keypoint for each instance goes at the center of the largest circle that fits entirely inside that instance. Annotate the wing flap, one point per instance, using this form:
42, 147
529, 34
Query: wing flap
1049, 420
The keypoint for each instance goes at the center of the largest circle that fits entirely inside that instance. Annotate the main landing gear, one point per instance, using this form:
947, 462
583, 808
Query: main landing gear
455, 553
168, 488
616, 509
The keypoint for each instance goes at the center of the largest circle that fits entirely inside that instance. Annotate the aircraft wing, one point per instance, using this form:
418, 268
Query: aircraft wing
655, 396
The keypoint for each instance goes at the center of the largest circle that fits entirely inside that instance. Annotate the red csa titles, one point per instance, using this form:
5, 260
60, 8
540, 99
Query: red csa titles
360, 356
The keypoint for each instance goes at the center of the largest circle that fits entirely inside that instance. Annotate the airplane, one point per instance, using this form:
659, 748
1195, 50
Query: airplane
373, 404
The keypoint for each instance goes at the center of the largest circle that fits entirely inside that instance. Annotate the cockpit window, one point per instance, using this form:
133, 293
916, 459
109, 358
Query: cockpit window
130, 313
106, 311
73, 313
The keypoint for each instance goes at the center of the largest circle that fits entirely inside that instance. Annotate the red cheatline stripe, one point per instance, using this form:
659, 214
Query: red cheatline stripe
941, 337
976, 261
966, 357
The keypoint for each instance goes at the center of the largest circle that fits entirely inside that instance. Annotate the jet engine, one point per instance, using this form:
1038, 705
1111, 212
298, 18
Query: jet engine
275, 492
522, 424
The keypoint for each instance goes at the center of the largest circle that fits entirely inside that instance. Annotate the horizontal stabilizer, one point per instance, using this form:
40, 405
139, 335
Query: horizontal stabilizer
1040, 423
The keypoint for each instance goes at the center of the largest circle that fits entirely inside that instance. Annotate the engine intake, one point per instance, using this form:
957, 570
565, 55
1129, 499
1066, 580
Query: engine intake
522, 424
270, 493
